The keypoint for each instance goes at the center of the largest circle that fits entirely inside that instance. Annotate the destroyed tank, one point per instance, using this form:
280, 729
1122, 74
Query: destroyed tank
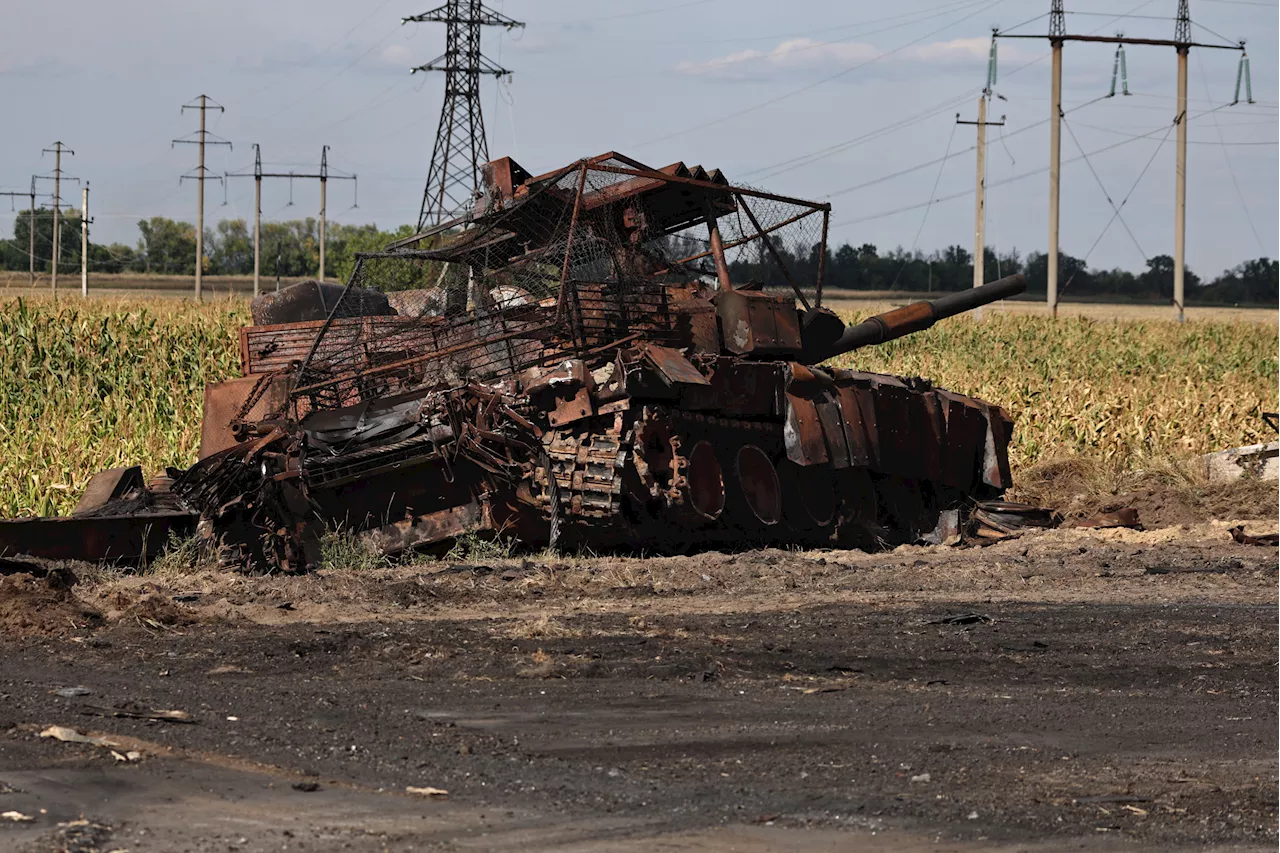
593, 357
607, 355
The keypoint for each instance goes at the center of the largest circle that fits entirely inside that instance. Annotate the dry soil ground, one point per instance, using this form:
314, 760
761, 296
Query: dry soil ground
1086, 690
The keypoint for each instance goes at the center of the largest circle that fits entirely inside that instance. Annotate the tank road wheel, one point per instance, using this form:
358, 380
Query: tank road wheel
858, 510
758, 480
908, 507
705, 481
680, 475
809, 495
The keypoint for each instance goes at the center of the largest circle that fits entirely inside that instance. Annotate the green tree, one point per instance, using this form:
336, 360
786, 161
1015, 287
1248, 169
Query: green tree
167, 247
231, 248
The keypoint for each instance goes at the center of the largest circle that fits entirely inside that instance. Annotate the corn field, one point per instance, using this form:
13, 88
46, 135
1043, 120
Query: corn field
87, 386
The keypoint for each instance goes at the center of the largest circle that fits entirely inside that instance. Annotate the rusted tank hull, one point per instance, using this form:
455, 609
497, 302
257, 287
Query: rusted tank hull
591, 357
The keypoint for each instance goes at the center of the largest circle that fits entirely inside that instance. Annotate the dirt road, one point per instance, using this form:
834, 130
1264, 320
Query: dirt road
1098, 690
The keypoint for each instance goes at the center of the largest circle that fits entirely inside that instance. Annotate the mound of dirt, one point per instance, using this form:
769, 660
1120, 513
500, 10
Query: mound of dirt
31, 606
152, 607
1166, 495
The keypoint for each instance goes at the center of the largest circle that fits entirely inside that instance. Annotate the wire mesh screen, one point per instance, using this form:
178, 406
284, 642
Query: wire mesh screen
564, 265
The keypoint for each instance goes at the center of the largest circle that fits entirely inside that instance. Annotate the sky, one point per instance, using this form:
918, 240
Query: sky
851, 102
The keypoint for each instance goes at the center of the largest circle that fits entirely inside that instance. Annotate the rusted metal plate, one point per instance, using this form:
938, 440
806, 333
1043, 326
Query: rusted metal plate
94, 539
802, 432
758, 323
430, 528
741, 389
267, 349
966, 434
858, 440
570, 409
833, 430
674, 368
995, 461
110, 485
899, 451
224, 400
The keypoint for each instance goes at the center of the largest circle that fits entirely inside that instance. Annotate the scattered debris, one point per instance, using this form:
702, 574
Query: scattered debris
1255, 460
426, 791
996, 520
70, 735
1111, 798
71, 692
963, 619
136, 713
1125, 517
1238, 534
131, 755
306, 787
16, 817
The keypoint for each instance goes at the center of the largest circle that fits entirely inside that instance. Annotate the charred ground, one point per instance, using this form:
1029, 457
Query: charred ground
1085, 689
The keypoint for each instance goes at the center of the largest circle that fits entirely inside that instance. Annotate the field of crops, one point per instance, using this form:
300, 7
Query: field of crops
87, 386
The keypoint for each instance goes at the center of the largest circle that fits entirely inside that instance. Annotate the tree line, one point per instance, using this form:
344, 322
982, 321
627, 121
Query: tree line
168, 247
292, 249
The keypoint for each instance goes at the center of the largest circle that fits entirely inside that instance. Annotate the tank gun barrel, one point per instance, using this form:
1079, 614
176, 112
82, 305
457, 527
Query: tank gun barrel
918, 316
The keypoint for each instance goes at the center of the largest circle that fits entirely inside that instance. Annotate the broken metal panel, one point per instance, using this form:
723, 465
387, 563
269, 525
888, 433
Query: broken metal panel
995, 460
966, 434
114, 484
750, 389
802, 432
672, 367
430, 528
859, 439
96, 538
225, 404
758, 323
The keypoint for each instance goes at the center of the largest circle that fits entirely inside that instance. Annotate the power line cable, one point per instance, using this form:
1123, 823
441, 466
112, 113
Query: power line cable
1102, 187
823, 31
928, 163
928, 207
816, 83
945, 106
1130, 193
1204, 80
1012, 179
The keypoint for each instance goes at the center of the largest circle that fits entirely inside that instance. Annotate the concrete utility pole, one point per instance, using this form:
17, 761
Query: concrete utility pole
205, 103
324, 179
57, 150
980, 191
84, 240
1182, 42
257, 174
31, 231
1055, 167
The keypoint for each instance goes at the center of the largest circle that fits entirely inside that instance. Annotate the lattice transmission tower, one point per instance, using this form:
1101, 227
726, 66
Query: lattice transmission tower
453, 178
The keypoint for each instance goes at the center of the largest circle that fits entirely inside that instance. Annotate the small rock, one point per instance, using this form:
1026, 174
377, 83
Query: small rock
70, 692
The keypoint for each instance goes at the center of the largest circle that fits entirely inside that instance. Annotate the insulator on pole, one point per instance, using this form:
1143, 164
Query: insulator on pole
991, 64
1115, 71
1248, 81
1239, 76
1124, 72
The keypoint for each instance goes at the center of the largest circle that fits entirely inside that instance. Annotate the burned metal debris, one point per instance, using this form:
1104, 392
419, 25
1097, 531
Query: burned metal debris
590, 357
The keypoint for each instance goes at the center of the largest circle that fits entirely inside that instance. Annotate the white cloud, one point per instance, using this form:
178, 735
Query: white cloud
396, 54
809, 53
